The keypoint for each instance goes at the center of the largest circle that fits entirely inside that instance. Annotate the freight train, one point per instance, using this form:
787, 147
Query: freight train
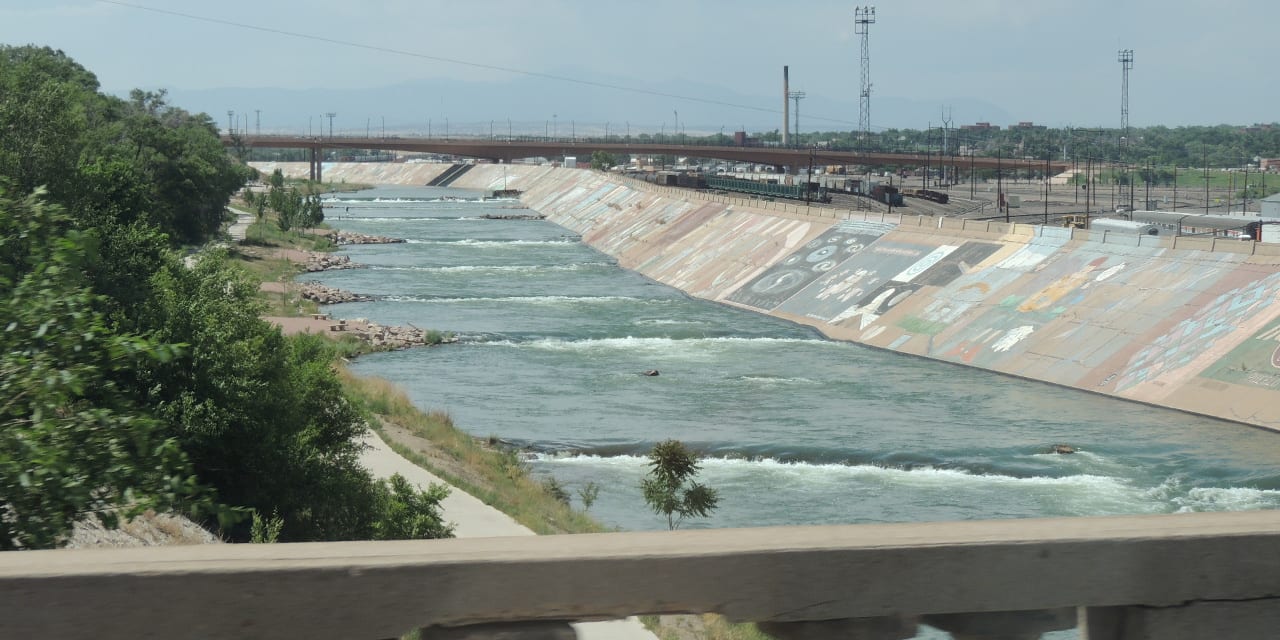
806, 191
928, 194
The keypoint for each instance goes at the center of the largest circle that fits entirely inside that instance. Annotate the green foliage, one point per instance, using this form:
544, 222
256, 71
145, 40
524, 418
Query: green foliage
129, 381
588, 494
104, 158
602, 160
555, 489
72, 445
670, 489
407, 513
265, 530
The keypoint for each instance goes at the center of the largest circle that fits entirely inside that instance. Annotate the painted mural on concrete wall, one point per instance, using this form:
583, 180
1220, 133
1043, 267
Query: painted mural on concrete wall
1196, 330
815, 259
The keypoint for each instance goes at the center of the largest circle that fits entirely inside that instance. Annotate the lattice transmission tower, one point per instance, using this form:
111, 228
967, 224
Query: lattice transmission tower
797, 96
863, 18
1125, 58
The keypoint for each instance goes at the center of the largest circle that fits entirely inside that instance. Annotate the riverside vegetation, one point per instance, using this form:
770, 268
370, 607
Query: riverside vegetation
130, 381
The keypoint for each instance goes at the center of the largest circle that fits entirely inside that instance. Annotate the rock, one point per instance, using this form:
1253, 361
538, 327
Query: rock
317, 261
649, 372
1063, 449
514, 216
348, 237
322, 294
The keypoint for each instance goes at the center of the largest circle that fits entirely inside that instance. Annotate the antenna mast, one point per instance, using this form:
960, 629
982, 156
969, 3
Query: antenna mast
1125, 58
863, 18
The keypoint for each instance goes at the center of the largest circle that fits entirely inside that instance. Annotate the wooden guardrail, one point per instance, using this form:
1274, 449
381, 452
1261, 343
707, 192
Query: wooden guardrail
1171, 577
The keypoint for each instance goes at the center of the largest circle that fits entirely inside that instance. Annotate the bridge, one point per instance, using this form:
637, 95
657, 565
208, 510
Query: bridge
516, 148
1168, 577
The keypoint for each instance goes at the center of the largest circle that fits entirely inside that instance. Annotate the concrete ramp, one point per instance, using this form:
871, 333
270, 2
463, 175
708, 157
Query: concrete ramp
452, 173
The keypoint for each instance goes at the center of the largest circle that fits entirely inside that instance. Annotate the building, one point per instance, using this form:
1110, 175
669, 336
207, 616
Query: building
1270, 216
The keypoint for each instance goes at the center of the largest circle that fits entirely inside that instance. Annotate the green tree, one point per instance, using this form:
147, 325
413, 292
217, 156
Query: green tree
73, 445
602, 161
670, 488
407, 513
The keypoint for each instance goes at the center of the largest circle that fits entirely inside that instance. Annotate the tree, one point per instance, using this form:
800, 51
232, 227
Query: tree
602, 161
73, 445
670, 489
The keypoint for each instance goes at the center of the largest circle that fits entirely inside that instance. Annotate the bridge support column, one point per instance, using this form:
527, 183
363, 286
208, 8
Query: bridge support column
319, 151
311, 164
1244, 619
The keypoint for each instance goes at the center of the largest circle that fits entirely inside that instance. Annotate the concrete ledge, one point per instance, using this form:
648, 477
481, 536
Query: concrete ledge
381, 589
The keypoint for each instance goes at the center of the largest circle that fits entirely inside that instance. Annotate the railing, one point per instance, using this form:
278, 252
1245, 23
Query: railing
1172, 577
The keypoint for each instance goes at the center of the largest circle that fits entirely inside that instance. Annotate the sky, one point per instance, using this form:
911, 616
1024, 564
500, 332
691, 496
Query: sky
1050, 62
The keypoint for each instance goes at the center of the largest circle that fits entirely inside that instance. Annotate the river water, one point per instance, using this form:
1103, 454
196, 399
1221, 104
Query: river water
796, 429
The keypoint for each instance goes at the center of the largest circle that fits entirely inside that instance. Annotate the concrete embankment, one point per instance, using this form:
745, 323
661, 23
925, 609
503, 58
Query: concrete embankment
1188, 323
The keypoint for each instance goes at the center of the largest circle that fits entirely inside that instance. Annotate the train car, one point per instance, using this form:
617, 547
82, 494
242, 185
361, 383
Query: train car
809, 192
1197, 224
1127, 227
928, 194
886, 194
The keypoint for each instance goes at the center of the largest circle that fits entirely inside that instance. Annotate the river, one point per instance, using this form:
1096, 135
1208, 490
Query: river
796, 429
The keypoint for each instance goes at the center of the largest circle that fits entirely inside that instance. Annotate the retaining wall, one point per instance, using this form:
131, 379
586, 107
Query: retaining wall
1187, 323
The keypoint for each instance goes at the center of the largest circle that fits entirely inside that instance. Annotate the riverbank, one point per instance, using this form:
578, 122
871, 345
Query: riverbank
491, 490
481, 468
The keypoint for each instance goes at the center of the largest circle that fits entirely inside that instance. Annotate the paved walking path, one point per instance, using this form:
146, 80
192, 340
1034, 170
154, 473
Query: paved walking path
475, 519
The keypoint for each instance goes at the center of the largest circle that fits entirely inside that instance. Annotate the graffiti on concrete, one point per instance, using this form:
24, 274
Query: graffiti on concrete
811, 261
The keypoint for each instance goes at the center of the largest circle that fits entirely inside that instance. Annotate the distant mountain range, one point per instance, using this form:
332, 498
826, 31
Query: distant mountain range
536, 106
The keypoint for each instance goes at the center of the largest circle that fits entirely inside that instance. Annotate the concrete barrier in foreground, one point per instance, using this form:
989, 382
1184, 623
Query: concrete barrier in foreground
1123, 578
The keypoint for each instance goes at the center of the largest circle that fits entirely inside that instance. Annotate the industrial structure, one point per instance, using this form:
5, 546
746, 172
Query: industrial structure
863, 18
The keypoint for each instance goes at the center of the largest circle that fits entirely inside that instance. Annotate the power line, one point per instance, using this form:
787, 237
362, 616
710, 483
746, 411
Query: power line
477, 65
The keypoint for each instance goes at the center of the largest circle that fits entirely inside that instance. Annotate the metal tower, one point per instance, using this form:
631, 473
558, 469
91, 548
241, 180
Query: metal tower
1126, 61
863, 18
1125, 58
797, 96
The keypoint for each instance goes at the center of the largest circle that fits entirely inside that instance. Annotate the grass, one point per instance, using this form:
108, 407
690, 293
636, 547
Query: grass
497, 476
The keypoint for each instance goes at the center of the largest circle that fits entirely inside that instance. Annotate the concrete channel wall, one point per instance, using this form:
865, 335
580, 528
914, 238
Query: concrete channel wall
1188, 323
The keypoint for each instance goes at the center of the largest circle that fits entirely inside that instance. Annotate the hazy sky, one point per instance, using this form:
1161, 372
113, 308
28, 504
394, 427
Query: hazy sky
1047, 61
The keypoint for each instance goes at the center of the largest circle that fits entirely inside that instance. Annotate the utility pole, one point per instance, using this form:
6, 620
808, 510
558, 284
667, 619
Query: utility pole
331, 115
257, 120
231, 128
1204, 154
797, 96
863, 18
946, 126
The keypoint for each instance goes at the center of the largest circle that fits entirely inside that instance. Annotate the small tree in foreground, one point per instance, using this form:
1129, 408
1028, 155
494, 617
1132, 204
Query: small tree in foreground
670, 489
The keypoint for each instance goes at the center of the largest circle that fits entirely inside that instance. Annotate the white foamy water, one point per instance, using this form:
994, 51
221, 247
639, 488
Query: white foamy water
798, 429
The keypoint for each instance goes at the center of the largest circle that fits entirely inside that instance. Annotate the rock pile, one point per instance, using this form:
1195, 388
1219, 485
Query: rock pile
513, 216
349, 237
323, 294
317, 261
392, 337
